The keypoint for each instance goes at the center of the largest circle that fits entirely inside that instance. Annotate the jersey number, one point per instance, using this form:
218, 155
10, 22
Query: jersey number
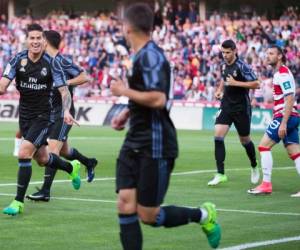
274, 124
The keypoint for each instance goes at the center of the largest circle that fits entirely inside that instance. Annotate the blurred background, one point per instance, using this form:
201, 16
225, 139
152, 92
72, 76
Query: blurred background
190, 32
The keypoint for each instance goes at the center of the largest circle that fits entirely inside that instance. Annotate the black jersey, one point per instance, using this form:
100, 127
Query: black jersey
151, 130
236, 99
36, 82
70, 70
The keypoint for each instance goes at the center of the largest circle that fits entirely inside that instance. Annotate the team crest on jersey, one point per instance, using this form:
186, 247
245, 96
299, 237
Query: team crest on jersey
234, 73
44, 72
287, 85
23, 63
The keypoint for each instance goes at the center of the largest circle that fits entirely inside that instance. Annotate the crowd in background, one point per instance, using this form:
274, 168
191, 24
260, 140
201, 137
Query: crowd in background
192, 46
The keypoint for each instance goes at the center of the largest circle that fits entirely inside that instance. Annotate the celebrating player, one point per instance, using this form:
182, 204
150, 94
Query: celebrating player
148, 154
57, 142
235, 108
35, 80
284, 125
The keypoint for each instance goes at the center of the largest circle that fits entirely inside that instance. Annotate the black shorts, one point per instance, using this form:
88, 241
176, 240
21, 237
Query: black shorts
149, 176
60, 130
36, 131
241, 120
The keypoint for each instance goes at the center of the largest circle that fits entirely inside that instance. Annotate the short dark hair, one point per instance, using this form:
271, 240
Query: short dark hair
53, 38
280, 51
229, 44
140, 16
34, 27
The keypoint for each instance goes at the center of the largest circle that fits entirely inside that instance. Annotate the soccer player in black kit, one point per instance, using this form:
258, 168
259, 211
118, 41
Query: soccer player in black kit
235, 108
36, 80
58, 136
148, 154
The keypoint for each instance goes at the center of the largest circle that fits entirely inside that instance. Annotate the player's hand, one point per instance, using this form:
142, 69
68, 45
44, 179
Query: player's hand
69, 119
230, 81
218, 95
117, 123
282, 130
117, 87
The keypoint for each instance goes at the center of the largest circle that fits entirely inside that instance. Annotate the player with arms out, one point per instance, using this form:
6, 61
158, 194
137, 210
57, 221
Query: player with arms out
148, 154
284, 125
235, 108
35, 80
58, 137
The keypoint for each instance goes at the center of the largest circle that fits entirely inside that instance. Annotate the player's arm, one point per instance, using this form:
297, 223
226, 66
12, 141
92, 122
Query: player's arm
118, 122
66, 104
78, 80
8, 75
251, 81
151, 99
4, 83
59, 82
155, 86
230, 81
220, 90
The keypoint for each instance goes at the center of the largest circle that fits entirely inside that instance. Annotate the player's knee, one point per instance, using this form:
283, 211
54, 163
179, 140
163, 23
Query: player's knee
42, 160
64, 152
147, 216
24, 154
125, 206
244, 140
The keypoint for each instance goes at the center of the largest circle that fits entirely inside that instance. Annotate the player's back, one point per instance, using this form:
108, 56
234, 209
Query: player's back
151, 129
70, 70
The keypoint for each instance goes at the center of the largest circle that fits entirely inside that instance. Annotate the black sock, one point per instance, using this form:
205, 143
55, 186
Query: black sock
48, 179
131, 233
24, 176
75, 155
58, 163
172, 216
250, 149
220, 154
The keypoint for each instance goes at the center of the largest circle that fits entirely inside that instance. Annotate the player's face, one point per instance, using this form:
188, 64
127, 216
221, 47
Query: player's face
272, 57
228, 54
35, 42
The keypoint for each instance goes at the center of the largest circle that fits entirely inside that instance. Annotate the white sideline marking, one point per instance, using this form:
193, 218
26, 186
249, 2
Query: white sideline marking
174, 174
261, 243
219, 209
257, 212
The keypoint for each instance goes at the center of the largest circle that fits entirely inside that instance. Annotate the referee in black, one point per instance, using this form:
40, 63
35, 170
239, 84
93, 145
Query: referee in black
238, 78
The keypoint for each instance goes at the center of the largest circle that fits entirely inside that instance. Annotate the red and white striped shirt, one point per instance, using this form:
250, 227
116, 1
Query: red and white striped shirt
283, 85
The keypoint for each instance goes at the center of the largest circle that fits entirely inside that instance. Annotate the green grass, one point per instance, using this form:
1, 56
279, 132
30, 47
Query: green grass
69, 224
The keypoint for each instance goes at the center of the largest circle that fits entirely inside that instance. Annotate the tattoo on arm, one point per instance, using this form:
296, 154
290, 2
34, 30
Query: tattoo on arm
66, 98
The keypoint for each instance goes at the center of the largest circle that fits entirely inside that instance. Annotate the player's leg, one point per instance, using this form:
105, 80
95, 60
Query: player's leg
222, 125
73, 154
291, 142
43, 194
153, 183
44, 158
242, 123
130, 229
18, 141
26, 152
264, 148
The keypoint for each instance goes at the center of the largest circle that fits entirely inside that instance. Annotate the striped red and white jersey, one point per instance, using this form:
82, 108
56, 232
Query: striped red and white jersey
283, 85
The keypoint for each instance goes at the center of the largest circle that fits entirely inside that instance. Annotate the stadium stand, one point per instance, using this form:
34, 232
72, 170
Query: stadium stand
96, 43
